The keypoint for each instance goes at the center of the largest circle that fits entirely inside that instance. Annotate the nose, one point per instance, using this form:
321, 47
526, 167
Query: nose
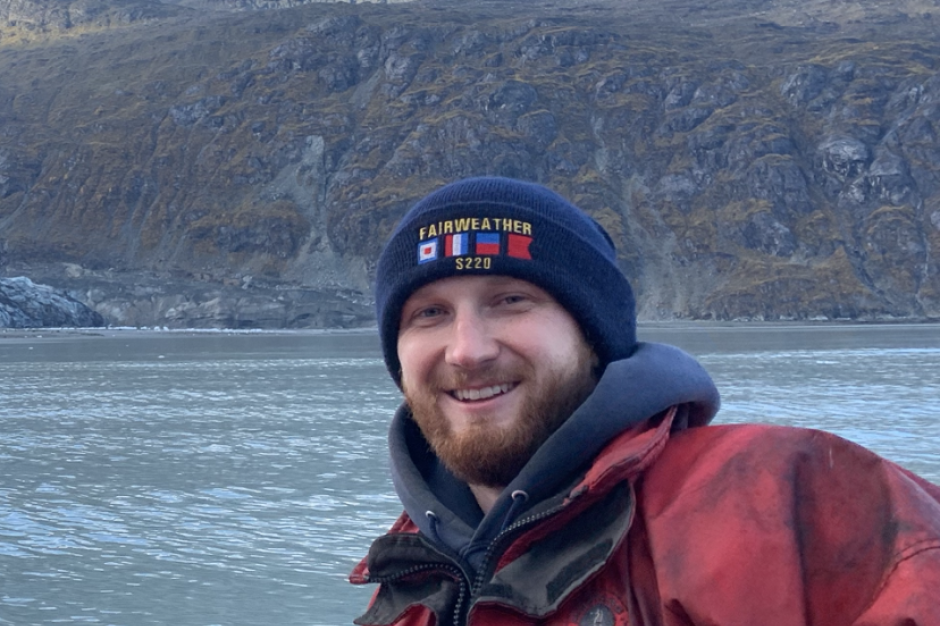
471, 344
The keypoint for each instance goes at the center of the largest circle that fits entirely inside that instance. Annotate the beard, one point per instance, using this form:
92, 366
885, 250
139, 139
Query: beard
482, 454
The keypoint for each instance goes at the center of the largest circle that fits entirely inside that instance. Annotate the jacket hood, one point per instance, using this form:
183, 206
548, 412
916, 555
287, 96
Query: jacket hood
630, 392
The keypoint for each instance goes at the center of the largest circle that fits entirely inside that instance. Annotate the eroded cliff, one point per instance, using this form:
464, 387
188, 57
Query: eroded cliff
243, 168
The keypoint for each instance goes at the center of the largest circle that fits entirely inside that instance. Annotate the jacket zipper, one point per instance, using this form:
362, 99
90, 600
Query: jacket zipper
461, 613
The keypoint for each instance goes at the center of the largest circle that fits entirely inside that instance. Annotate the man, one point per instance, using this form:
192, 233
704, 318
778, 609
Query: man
553, 470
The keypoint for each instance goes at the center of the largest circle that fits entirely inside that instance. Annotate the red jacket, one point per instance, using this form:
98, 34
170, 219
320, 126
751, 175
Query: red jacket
719, 525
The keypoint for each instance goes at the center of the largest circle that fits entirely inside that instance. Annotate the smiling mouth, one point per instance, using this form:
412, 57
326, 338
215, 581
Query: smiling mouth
484, 393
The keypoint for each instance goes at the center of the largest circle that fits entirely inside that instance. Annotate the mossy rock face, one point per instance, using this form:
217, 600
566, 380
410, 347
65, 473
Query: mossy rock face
748, 165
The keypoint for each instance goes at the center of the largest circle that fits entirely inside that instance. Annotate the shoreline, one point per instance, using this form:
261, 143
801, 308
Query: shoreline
12, 334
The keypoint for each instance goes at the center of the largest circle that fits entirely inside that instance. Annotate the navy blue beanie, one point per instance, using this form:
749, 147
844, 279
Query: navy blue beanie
492, 225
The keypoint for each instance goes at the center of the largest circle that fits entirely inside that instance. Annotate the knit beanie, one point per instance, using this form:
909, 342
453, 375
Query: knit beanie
492, 225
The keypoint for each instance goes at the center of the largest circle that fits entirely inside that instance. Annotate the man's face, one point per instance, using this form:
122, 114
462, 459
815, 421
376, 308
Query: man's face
491, 366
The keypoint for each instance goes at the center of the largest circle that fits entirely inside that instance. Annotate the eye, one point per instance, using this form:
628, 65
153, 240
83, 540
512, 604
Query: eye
423, 316
514, 300
428, 312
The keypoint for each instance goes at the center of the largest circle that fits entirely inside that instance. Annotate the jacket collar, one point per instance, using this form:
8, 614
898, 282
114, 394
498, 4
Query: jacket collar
622, 460
631, 452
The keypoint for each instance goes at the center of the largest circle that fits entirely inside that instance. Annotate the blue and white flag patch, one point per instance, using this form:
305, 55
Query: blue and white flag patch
427, 250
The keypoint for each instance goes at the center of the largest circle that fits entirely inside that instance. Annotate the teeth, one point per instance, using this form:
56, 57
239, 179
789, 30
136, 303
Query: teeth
481, 394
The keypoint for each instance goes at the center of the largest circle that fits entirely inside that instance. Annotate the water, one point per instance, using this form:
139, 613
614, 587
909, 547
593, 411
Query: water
234, 479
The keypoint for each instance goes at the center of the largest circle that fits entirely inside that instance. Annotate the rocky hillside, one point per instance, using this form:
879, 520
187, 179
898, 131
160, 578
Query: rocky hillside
194, 166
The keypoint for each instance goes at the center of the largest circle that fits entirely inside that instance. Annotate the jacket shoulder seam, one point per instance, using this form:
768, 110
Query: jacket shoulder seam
919, 547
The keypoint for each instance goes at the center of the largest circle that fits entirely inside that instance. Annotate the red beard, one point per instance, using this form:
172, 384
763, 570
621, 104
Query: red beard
492, 456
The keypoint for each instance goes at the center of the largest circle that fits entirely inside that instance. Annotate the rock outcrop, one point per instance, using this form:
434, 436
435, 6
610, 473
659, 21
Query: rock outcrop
750, 163
140, 299
24, 304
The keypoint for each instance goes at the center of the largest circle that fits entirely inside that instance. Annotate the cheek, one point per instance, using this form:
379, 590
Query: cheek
556, 344
416, 358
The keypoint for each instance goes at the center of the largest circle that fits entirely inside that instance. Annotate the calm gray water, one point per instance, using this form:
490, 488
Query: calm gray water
197, 479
